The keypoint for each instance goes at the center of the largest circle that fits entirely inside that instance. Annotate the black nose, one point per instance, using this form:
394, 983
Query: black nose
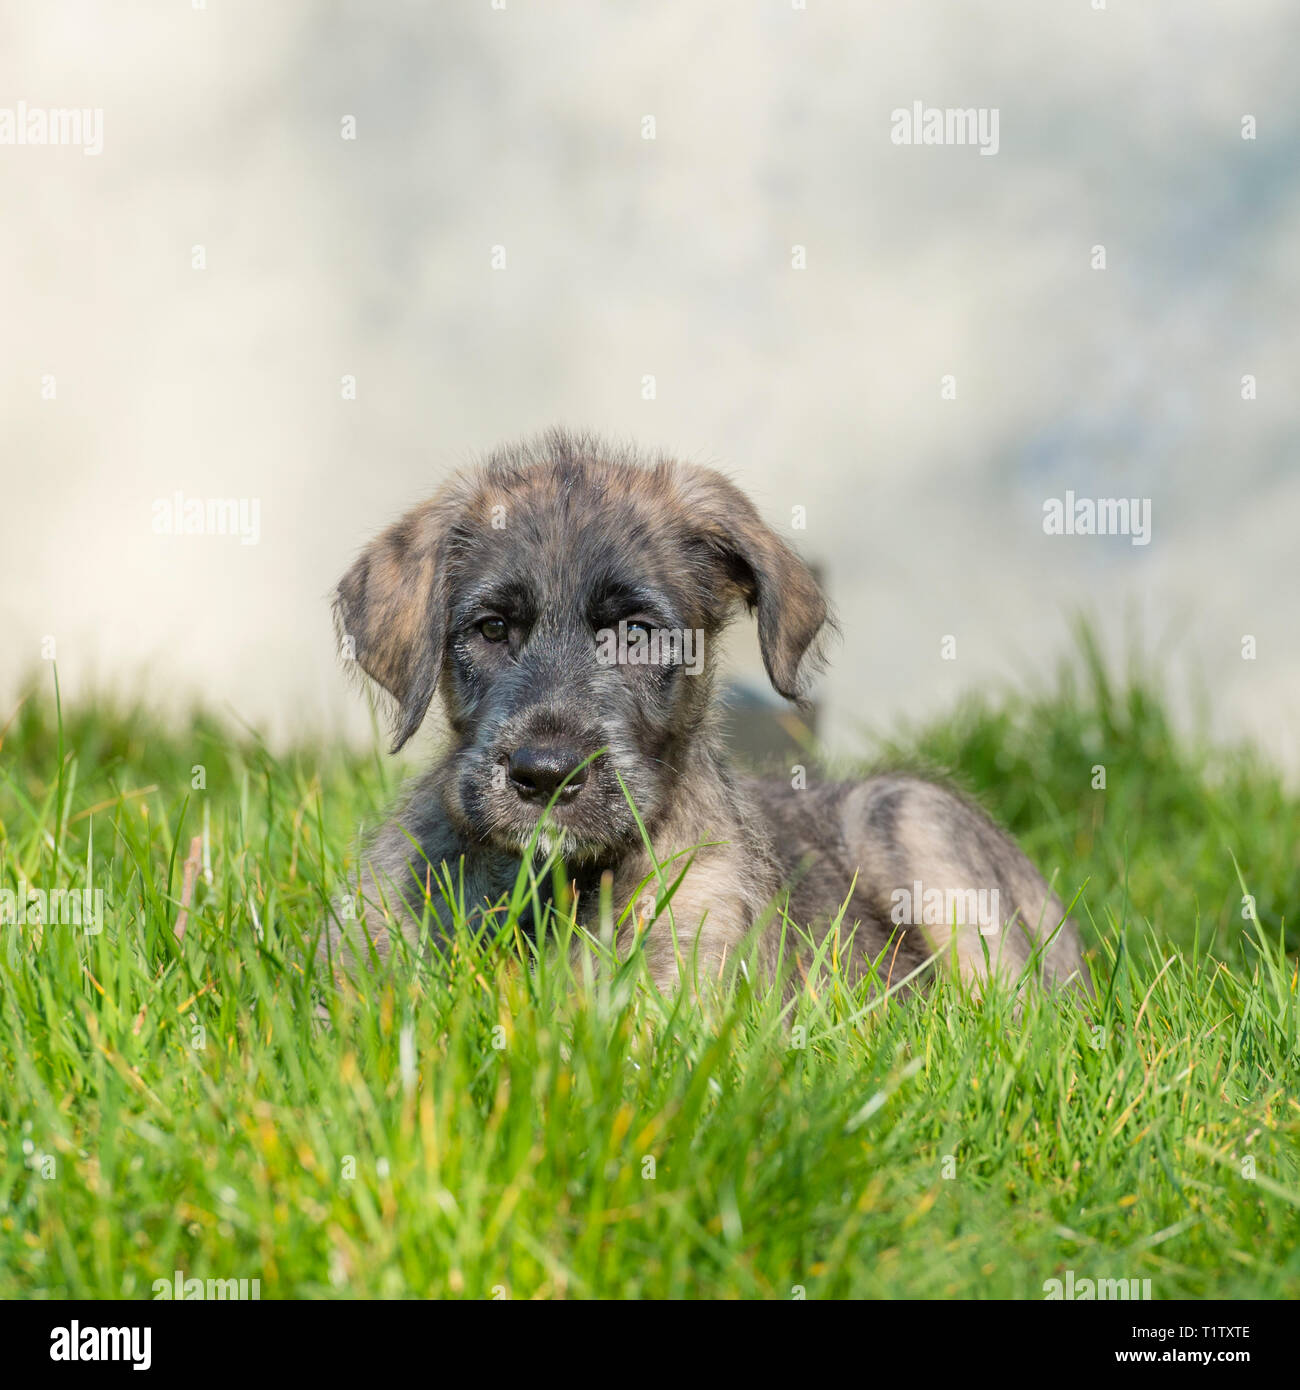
536, 772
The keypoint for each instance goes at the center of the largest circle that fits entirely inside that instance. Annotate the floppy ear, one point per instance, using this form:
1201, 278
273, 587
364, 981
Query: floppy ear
766, 574
390, 611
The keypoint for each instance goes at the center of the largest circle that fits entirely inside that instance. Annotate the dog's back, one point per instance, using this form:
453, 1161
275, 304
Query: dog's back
928, 872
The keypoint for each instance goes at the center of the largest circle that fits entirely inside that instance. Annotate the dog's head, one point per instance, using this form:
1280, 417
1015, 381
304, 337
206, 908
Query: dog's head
565, 599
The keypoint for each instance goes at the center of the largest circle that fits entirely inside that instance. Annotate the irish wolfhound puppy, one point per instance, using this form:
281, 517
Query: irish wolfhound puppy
565, 599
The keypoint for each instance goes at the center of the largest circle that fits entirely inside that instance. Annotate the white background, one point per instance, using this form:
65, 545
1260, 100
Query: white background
626, 257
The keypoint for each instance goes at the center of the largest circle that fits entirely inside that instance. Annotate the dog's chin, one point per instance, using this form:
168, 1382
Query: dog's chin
566, 835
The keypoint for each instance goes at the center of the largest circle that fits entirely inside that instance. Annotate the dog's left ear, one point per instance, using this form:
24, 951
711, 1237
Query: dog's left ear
390, 613
765, 573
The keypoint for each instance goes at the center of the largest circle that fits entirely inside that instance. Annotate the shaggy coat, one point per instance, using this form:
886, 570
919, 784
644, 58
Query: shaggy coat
499, 594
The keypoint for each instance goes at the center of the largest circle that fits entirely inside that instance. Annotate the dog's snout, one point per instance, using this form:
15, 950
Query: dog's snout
536, 772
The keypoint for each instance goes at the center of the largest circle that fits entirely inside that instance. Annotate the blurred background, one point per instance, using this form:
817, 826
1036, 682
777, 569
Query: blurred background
330, 252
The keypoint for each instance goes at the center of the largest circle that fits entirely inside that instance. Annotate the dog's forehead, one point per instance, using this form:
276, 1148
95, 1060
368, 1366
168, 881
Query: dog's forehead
555, 530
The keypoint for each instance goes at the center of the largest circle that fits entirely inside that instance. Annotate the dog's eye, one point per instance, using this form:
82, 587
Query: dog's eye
639, 625
494, 629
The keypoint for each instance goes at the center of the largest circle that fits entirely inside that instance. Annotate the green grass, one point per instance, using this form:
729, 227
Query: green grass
479, 1128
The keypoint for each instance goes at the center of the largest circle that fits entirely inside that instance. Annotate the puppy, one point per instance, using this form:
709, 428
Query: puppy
566, 600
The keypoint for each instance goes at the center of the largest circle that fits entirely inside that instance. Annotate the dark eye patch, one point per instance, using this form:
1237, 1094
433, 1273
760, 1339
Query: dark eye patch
611, 601
513, 601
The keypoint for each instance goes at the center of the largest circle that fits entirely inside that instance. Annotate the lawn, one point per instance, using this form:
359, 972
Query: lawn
479, 1127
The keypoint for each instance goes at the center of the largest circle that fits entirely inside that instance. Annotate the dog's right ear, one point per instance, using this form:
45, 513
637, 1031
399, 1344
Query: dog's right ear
390, 611
793, 616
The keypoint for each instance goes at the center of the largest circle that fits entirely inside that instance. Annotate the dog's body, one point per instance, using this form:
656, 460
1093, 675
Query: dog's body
502, 592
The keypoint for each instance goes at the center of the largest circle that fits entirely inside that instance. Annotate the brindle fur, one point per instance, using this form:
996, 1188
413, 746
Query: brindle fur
561, 537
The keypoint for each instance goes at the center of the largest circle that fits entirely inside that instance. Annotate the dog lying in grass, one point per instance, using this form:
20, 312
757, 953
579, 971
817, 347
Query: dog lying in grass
566, 599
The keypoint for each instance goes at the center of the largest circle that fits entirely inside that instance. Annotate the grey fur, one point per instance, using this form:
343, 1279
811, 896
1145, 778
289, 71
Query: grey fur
561, 537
